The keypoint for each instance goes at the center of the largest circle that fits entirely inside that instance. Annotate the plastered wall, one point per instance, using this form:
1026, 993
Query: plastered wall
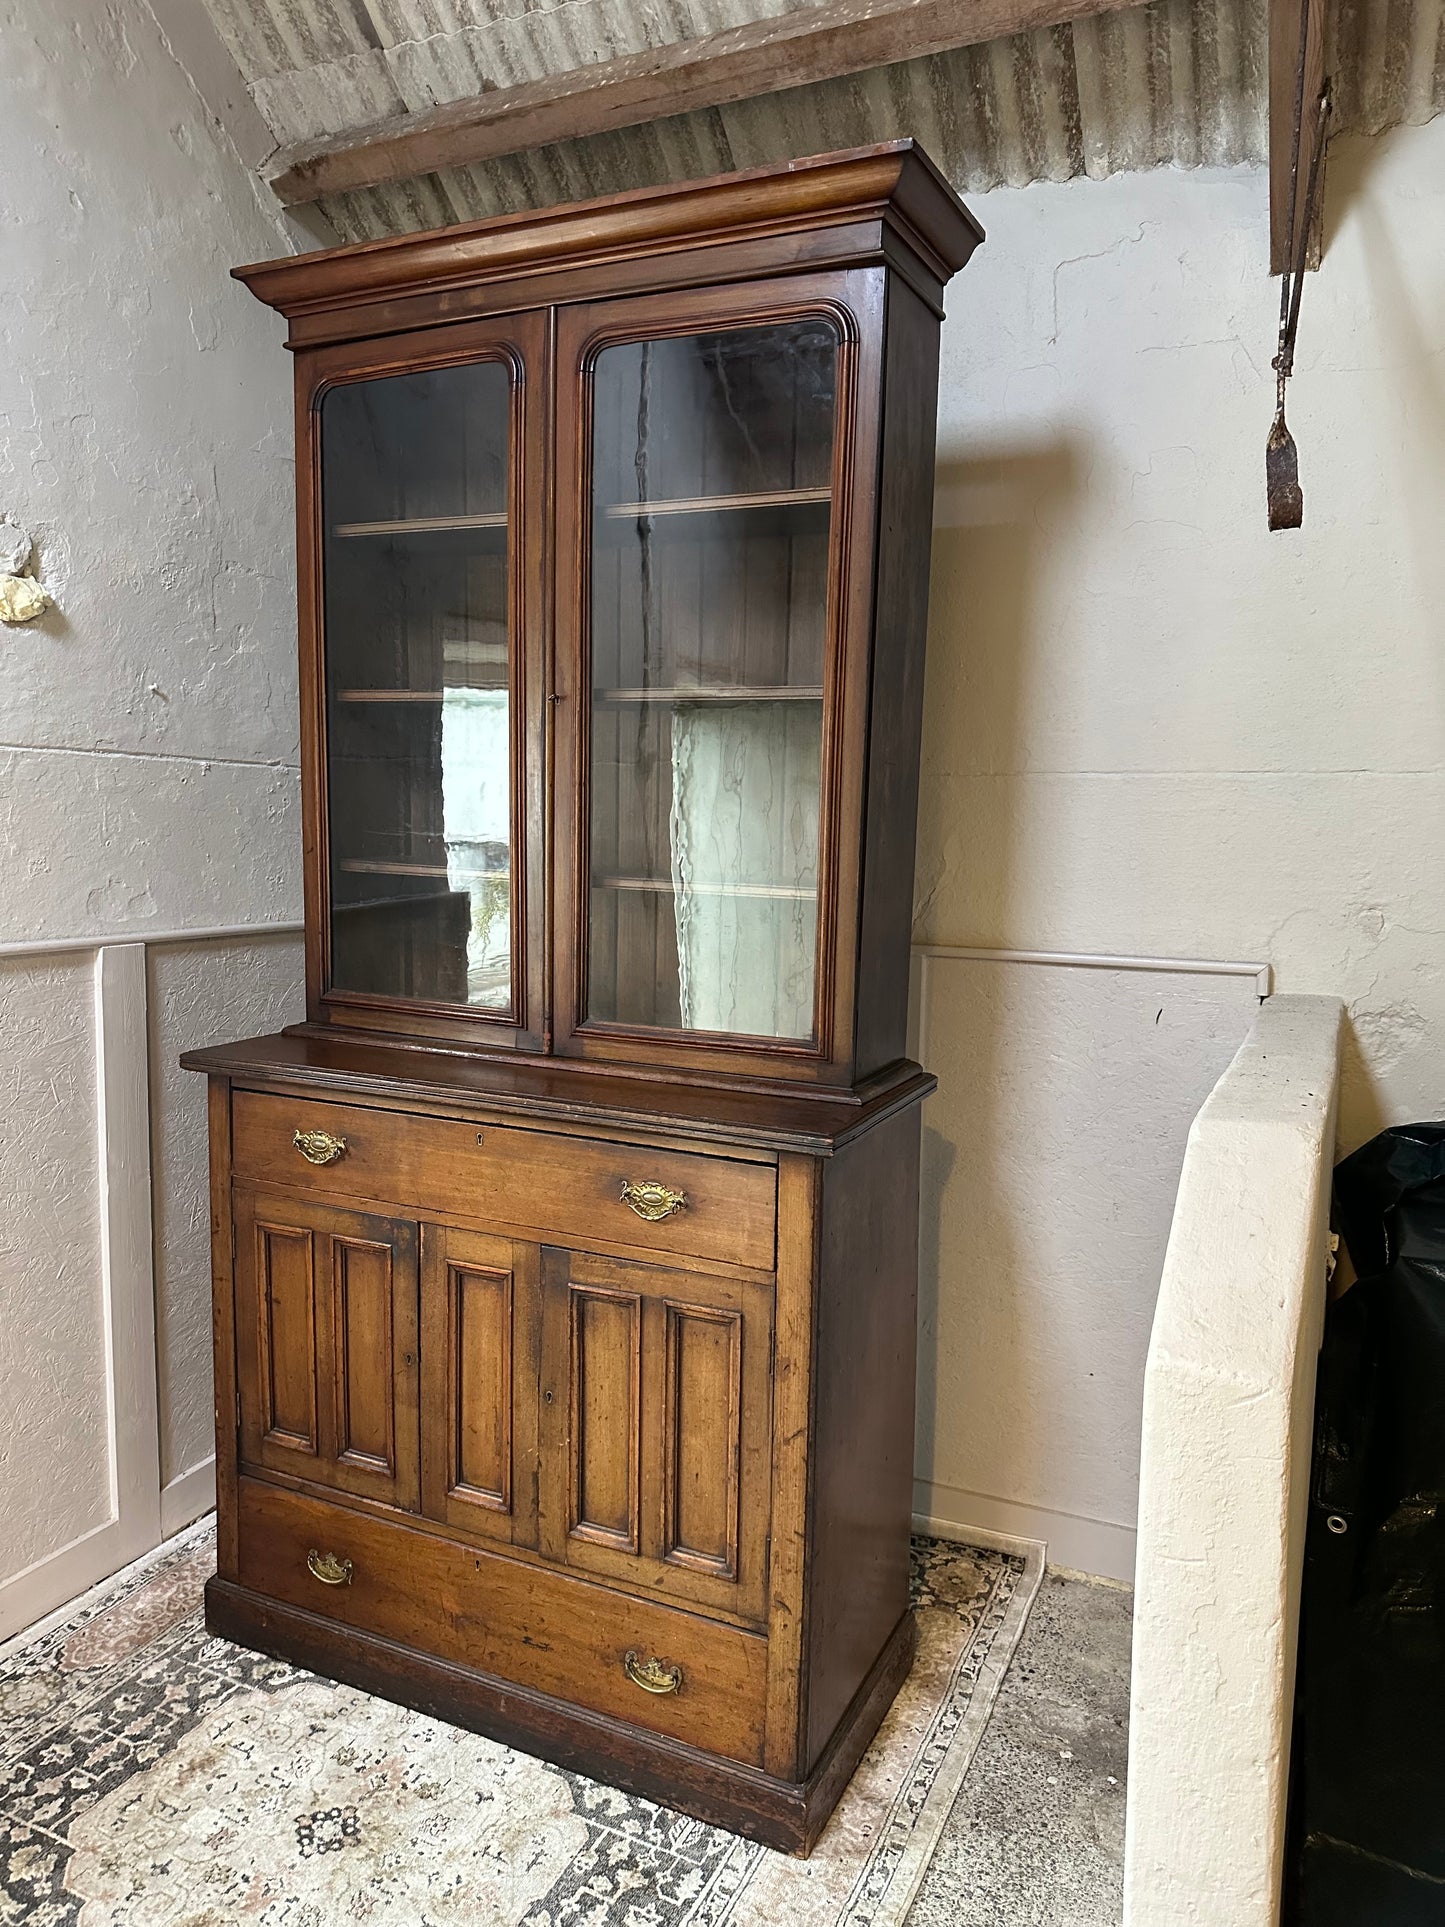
1153, 727
148, 762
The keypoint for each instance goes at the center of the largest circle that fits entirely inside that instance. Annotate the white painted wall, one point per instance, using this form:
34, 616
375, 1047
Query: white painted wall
148, 762
1228, 1431
1153, 727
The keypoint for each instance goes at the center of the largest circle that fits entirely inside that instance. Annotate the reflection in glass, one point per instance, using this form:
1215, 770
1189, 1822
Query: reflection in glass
712, 460
414, 491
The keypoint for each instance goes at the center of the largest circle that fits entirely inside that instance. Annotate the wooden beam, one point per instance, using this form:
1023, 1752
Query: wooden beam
760, 57
1285, 19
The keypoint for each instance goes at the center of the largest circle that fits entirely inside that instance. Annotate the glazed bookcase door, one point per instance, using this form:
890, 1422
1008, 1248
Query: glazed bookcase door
326, 1343
655, 1428
427, 878
707, 594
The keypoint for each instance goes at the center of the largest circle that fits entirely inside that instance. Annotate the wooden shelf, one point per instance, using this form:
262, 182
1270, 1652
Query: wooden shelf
422, 524
768, 498
383, 867
713, 693
389, 695
657, 886
432, 696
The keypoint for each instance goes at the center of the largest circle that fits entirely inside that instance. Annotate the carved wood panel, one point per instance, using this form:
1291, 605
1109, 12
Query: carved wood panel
702, 1437
480, 1314
285, 1260
362, 1287
326, 1310
655, 1443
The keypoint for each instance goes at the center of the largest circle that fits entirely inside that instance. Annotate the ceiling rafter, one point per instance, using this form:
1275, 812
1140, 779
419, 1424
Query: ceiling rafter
1286, 17
825, 42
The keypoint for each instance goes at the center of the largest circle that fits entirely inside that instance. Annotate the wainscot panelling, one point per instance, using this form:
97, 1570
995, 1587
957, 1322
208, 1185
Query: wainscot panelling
104, 1300
1051, 1157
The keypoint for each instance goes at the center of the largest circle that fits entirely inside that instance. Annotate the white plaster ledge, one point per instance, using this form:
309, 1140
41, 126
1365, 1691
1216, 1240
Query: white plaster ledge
1224, 1480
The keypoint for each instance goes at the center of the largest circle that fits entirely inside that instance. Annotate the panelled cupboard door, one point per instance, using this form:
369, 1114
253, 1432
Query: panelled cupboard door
656, 1417
481, 1332
424, 672
716, 458
326, 1342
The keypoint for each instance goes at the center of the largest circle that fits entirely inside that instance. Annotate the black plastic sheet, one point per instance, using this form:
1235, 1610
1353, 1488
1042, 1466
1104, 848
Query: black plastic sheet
1367, 1840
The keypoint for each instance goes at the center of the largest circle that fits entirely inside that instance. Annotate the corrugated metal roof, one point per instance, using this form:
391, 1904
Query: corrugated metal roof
1175, 81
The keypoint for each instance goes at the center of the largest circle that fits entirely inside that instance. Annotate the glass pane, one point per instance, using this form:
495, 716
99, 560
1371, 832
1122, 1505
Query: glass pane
414, 492
708, 641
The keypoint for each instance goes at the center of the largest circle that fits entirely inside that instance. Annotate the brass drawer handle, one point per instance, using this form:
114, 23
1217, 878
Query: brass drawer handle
326, 1567
319, 1147
650, 1674
652, 1201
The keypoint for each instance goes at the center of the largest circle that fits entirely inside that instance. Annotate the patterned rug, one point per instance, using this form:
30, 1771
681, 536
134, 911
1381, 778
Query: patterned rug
152, 1776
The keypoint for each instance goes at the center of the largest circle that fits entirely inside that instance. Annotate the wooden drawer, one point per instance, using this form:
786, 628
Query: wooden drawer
561, 1189
513, 1621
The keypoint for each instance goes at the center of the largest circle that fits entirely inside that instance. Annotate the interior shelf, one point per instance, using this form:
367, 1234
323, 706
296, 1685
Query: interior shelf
390, 695
660, 886
768, 498
714, 693
423, 524
384, 867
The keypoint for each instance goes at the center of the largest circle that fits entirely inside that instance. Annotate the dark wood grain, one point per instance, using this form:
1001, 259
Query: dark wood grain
638, 1109
900, 635
894, 182
223, 1321
862, 1448
535, 1180
556, 1632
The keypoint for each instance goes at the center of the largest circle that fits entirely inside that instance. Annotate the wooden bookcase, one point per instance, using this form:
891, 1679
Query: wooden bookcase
565, 1262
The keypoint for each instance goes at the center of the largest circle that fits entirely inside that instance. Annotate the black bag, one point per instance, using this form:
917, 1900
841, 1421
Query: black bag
1367, 1820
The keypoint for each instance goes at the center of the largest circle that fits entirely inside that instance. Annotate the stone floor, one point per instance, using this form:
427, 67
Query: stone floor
1036, 1838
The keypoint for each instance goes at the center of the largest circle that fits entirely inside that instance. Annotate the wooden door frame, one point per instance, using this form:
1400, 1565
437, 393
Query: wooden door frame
522, 341
853, 300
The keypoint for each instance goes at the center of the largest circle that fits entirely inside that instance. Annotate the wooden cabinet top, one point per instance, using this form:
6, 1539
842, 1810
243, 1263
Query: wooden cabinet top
871, 203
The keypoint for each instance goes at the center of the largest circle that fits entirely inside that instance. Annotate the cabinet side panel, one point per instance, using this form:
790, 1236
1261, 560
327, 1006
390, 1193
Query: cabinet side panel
863, 1415
223, 1322
905, 527
800, 1188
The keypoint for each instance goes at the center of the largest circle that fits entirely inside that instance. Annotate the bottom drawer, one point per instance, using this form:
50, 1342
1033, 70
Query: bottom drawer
517, 1622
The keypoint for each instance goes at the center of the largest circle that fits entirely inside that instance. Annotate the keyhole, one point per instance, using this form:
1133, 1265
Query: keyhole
546, 1398
479, 1137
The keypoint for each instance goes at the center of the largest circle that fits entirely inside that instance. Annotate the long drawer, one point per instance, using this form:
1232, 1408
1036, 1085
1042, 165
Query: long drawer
516, 1622
560, 1188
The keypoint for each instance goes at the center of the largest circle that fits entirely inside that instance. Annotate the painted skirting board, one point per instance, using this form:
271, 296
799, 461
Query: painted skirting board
137, 1512
1093, 1546
186, 1497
